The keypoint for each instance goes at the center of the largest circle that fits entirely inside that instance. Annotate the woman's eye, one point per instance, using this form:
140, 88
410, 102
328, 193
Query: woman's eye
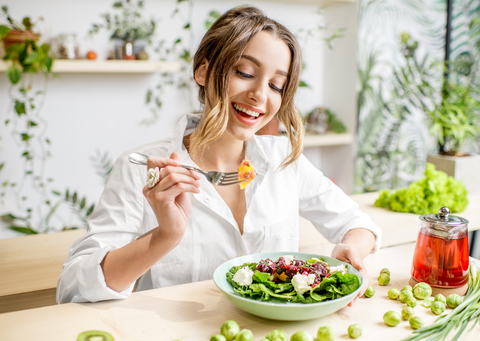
276, 88
243, 74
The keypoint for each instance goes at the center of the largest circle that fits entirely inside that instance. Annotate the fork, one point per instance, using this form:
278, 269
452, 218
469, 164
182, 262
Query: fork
216, 178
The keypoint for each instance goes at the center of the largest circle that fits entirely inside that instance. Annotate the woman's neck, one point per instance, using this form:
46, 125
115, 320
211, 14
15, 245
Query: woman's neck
224, 154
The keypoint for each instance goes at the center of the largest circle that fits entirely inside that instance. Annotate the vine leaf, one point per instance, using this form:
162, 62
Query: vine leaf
14, 74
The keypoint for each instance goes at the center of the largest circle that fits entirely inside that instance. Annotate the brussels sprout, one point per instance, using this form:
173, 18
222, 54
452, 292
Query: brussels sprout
277, 335
95, 335
422, 290
229, 329
408, 287
218, 337
301, 336
427, 303
355, 330
453, 300
391, 318
437, 307
407, 313
385, 271
370, 291
411, 302
325, 333
441, 298
405, 295
393, 293
384, 279
416, 322
244, 335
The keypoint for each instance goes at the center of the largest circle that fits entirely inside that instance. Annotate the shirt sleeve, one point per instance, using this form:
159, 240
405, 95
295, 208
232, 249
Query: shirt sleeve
116, 221
330, 209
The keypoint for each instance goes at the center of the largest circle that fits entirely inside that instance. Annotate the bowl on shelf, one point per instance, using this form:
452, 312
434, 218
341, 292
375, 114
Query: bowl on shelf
277, 309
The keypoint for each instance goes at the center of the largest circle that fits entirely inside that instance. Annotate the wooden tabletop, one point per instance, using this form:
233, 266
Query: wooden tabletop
30, 265
196, 311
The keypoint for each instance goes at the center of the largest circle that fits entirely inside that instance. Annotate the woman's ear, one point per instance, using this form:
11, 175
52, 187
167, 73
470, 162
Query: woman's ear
201, 73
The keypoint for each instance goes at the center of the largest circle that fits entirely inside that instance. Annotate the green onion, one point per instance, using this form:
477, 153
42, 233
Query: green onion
458, 318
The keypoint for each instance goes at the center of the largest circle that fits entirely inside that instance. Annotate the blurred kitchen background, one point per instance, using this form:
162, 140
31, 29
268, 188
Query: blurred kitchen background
366, 65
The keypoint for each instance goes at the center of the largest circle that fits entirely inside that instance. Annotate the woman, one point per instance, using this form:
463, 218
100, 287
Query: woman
182, 227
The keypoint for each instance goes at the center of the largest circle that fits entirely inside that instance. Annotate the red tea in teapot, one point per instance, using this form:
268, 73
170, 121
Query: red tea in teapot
439, 262
441, 254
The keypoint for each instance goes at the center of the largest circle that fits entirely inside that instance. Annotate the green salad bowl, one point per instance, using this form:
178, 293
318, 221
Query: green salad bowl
277, 309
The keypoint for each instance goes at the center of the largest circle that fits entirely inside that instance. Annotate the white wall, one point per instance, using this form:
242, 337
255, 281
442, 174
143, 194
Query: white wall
89, 112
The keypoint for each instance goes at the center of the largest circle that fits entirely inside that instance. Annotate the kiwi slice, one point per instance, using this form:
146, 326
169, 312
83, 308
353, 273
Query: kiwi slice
95, 335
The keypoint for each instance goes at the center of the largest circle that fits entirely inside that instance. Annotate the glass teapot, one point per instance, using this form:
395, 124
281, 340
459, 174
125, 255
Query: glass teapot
441, 253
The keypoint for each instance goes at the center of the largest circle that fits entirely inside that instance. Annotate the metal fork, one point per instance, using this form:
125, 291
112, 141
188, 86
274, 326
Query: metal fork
216, 178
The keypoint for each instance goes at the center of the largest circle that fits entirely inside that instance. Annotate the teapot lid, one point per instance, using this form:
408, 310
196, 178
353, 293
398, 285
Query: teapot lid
444, 218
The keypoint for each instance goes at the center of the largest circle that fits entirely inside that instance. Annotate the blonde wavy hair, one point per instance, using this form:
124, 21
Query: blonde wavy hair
222, 46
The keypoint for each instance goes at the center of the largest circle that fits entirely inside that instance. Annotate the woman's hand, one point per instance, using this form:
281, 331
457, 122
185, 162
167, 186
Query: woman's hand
169, 198
351, 255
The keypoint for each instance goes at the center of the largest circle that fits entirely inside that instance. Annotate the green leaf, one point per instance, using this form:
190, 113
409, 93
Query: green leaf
56, 192
82, 203
23, 229
4, 31
303, 84
25, 137
90, 210
48, 63
74, 197
32, 124
187, 26
32, 58
149, 96
14, 74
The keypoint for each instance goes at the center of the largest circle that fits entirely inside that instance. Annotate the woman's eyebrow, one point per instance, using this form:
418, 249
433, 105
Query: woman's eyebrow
258, 63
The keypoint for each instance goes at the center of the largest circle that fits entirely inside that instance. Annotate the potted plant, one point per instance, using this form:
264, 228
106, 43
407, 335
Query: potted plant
129, 31
454, 121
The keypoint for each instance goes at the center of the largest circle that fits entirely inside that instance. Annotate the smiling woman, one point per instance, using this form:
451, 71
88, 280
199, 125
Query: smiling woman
181, 227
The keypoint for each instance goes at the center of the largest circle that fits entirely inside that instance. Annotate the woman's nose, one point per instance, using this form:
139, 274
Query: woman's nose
258, 92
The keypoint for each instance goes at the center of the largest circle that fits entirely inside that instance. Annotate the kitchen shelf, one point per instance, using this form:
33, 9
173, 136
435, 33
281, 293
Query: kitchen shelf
325, 140
108, 66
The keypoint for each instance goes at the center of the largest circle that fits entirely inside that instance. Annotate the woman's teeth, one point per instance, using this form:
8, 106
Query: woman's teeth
246, 111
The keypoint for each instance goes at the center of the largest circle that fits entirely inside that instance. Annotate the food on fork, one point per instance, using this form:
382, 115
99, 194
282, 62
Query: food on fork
246, 173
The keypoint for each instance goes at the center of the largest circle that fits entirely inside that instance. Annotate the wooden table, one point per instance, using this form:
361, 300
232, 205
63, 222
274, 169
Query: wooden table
29, 268
196, 311
30, 265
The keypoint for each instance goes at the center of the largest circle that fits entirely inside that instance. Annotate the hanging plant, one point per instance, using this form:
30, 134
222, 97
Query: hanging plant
27, 57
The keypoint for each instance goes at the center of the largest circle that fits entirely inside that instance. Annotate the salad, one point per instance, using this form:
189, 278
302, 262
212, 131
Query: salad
293, 280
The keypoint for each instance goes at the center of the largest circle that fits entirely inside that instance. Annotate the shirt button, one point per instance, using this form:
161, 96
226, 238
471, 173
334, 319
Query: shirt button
246, 228
207, 200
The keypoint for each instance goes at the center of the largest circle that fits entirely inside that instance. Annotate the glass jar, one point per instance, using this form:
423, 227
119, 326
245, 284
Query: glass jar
441, 255
68, 46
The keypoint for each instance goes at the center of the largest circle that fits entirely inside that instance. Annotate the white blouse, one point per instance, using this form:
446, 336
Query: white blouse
274, 199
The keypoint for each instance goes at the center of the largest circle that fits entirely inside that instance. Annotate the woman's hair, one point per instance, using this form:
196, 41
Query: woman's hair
222, 46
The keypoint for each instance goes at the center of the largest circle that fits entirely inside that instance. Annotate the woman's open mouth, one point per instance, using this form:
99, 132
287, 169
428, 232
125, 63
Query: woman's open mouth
245, 115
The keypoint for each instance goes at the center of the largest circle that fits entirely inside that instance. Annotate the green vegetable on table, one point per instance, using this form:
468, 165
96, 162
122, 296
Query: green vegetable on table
416, 322
393, 293
301, 336
407, 287
391, 318
405, 295
422, 290
407, 313
427, 303
370, 292
229, 329
440, 298
355, 330
385, 270
277, 335
218, 337
97, 335
325, 333
459, 318
411, 302
434, 190
437, 307
453, 300
383, 279
244, 335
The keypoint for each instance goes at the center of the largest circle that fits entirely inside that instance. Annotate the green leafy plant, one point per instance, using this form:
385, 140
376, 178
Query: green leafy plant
126, 23
434, 190
456, 119
28, 57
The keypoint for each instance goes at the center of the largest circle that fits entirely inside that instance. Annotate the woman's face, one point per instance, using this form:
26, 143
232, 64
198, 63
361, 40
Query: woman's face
255, 85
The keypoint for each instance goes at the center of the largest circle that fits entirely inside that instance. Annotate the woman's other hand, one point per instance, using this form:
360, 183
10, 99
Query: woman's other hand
169, 198
351, 255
